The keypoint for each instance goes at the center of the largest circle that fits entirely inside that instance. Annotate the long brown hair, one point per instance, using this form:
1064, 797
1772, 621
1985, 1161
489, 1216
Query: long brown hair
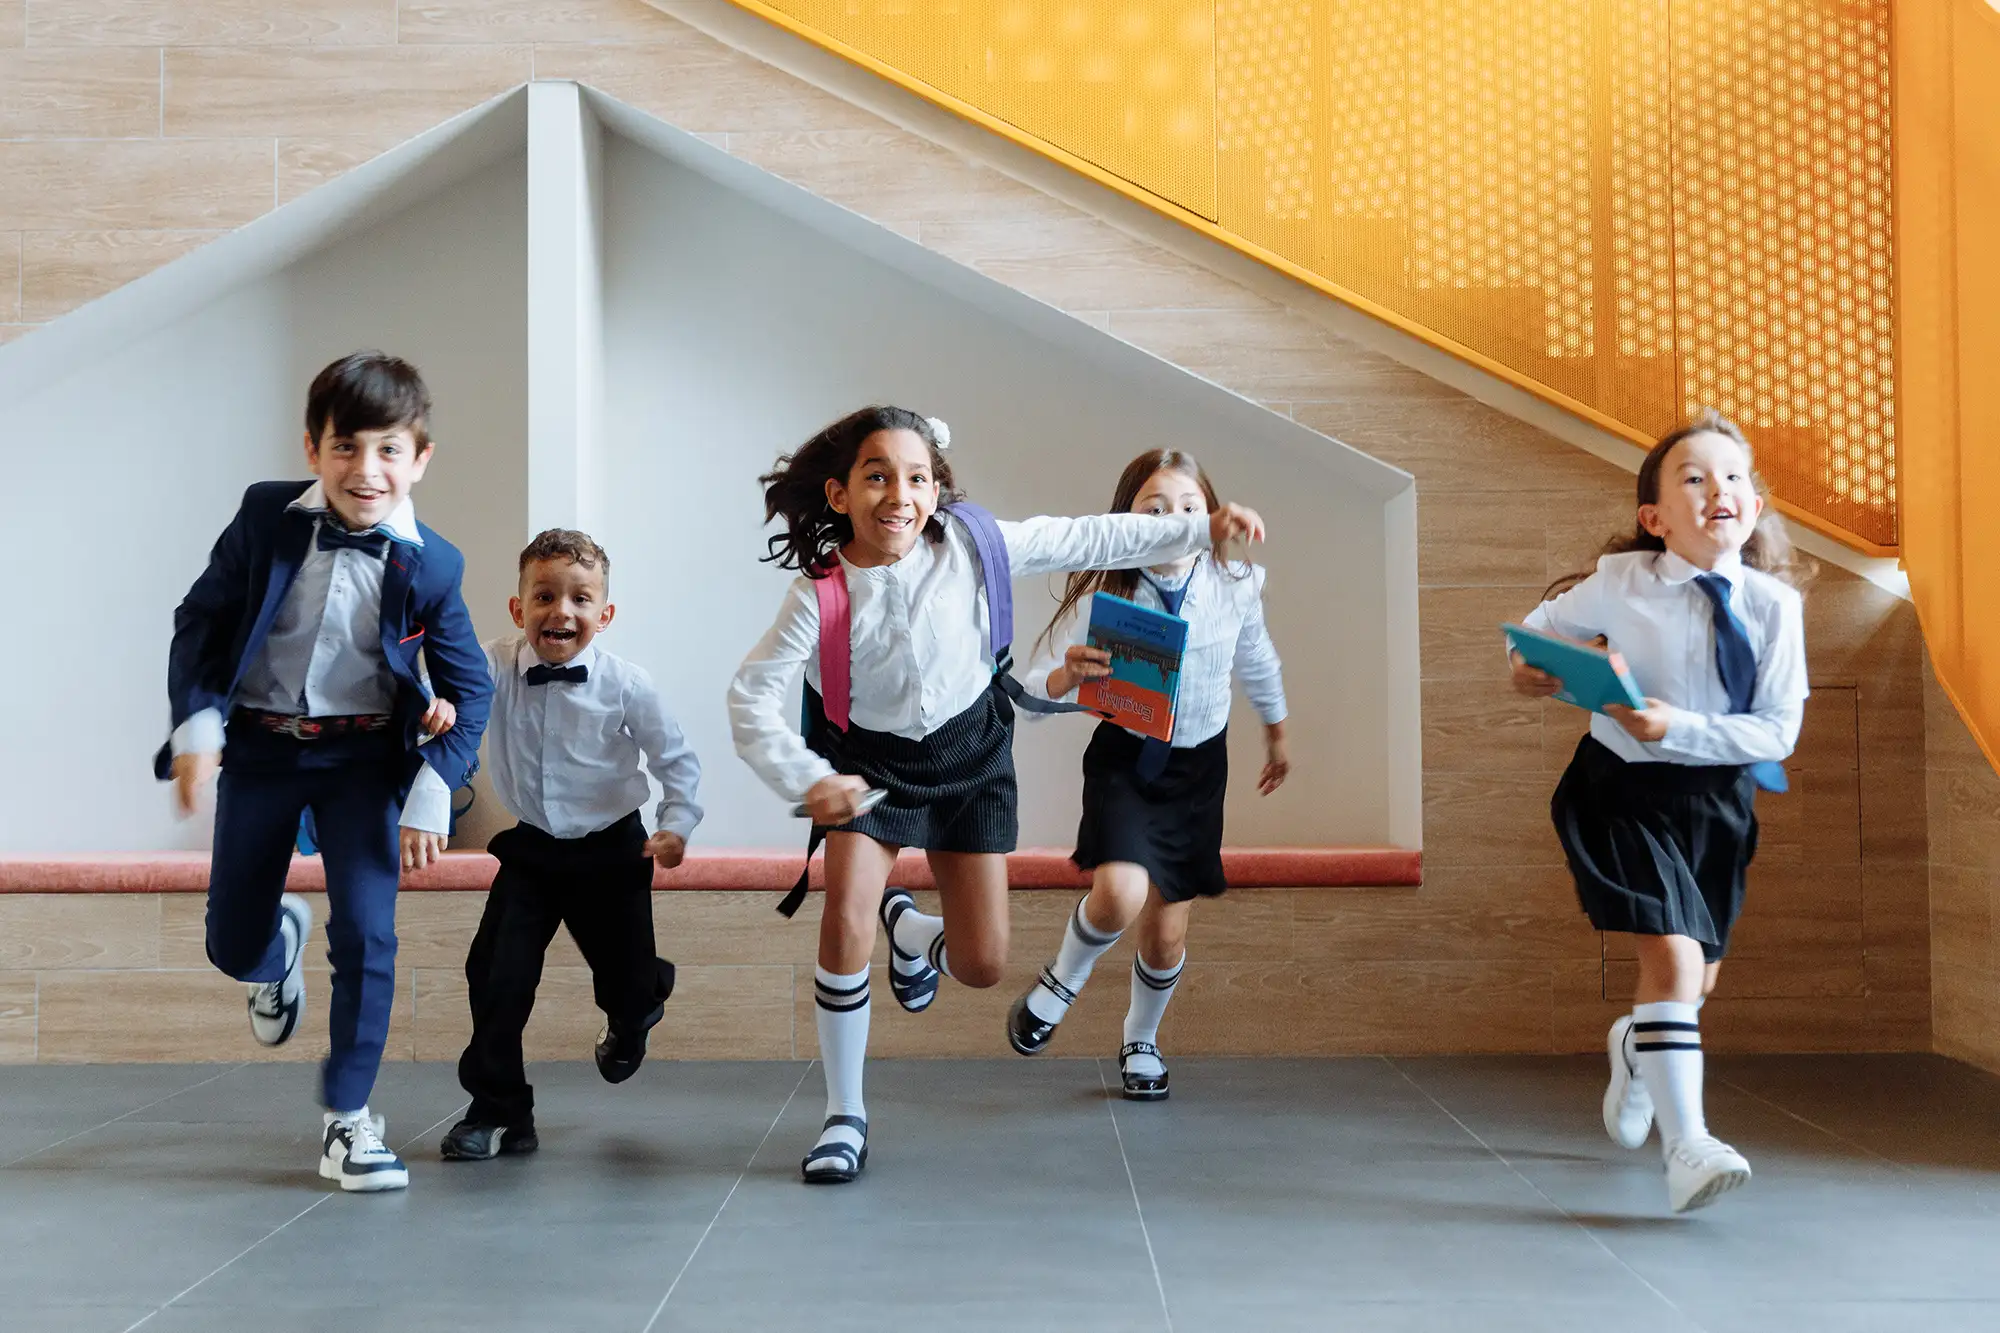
1769, 547
795, 489
1125, 582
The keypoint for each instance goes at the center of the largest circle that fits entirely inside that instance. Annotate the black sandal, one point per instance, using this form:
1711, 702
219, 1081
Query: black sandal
916, 990
1142, 1087
850, 1158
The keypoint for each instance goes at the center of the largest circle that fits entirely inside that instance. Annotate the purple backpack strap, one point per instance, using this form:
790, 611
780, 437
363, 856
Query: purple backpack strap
996, 570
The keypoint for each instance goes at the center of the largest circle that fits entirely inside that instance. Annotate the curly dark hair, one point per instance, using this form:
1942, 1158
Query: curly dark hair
566, 544
795, 489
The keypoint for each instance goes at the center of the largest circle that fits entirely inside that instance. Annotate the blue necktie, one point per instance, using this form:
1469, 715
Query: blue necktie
1153, 752
542, 674
333, 537
1736, 663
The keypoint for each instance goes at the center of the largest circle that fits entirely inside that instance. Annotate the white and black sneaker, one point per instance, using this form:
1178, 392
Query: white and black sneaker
353, 1153
277, 1006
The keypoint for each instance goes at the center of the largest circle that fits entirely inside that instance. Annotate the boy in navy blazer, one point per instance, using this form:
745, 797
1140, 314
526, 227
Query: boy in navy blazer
294, 673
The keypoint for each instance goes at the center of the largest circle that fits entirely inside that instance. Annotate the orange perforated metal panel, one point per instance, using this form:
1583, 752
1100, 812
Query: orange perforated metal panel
1634, 207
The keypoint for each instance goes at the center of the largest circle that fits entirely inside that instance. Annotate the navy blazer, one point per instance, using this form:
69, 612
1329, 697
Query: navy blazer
222, 623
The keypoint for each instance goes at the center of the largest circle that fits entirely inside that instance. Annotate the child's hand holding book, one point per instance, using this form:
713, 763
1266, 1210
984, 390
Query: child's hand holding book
1081, 663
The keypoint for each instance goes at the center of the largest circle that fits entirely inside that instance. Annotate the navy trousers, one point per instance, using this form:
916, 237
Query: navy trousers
353, 785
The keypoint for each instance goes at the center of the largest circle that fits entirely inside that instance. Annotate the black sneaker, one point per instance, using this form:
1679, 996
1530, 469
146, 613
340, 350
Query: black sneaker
621, 1049
470, 1141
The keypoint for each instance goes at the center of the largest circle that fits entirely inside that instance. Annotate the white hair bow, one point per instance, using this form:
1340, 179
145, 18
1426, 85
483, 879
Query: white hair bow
940, 431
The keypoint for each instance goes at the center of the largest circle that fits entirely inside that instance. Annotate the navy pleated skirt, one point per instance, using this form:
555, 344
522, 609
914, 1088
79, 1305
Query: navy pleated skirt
1657, 849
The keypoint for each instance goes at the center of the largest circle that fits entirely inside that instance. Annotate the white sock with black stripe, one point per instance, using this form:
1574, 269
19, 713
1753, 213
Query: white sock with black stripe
1082, 945
1666, 1045
841, 1007
921, 937
1151, 989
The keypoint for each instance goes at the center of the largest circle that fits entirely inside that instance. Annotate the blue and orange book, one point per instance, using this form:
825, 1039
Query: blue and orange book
1146, 648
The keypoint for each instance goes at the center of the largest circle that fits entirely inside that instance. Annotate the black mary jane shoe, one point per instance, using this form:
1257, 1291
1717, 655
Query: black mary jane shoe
1142, 1087
470, 1141
1027, 1032
846, 1159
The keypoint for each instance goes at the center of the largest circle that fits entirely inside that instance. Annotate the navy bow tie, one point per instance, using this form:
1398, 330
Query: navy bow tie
1736, 663
542, 674
333, 537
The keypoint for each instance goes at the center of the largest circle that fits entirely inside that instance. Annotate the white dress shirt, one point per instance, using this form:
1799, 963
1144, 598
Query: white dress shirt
323, 654
920, 655
1227, 641
567, 756
1647, 607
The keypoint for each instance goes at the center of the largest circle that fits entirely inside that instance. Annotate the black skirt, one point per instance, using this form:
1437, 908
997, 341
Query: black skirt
1657, 849
952, 791
1172, 826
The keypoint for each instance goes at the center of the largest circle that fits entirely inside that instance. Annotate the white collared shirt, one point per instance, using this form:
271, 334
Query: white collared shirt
918, 631
1647, 607
323, 654
567, 756
1227, 641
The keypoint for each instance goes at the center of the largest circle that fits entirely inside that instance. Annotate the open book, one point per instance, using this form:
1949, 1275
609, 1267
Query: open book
1145, 647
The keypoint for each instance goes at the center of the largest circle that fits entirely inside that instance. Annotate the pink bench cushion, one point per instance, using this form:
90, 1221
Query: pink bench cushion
1029, 868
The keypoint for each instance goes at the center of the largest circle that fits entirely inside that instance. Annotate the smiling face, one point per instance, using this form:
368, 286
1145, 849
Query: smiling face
1708, 503
367, 474
562, 606
889, 495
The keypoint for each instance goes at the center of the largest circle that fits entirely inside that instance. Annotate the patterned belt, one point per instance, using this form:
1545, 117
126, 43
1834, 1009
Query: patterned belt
313, 728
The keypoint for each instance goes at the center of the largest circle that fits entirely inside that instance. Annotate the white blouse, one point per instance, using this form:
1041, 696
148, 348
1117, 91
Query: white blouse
1647, 607
1227, 641
918, 633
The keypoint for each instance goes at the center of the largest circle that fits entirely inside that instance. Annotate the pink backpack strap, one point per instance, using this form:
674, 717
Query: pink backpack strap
835, 644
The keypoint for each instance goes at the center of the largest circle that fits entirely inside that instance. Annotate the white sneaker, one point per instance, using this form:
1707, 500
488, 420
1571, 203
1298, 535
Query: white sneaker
277, 1006
353, 1153
1701, 1170
1628, 1107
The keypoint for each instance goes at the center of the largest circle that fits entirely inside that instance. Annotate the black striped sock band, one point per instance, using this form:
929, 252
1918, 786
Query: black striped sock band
935, 954
1158, 980
835, 1000
1056, 988
1671, 1041
1088, 933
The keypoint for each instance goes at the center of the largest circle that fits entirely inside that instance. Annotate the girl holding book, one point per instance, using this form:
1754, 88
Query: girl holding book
1656, 812
916, 708
1151, 832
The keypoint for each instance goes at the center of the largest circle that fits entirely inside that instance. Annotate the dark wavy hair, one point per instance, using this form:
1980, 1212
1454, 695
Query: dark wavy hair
368, 391
795, 489
1769, 547
1125, 582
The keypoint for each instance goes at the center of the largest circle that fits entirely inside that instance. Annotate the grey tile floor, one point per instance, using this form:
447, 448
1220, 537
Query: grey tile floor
1469, 1194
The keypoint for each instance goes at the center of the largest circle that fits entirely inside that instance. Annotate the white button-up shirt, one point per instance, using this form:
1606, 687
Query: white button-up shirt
918, 632
1647, 607
1227, 640
571, 757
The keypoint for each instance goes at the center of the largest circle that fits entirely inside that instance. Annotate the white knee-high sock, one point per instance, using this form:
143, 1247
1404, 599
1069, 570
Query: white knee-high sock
1082, 945
921, 936
1666, 1045
841, 1008
1151, 989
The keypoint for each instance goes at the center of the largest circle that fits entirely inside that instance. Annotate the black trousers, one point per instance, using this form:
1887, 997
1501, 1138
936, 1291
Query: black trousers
601, 887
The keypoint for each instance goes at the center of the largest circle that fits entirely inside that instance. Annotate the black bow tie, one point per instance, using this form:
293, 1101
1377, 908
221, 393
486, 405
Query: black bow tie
542, 674
333, 537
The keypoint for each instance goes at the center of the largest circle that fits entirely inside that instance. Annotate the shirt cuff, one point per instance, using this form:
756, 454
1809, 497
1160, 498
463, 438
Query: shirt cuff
1684, 730
428, 810
200, 734
678, 819
1275, 715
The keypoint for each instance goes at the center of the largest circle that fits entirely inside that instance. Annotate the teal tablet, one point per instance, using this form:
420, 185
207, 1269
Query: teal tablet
1591, 677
